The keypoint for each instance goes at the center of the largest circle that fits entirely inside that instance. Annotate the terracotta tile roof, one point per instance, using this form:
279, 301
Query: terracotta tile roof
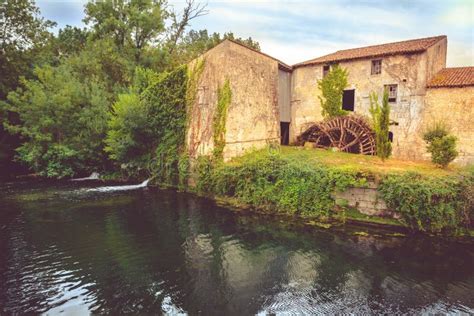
404, 47
453, 77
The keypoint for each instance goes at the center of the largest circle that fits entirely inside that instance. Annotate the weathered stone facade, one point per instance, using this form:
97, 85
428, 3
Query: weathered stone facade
253, 115
269, 97
455, 108
409, 72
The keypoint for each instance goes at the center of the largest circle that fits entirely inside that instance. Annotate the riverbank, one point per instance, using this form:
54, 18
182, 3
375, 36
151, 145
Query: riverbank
329, 188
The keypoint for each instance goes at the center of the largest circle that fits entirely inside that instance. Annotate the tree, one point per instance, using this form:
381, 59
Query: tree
441, 145
133, 24
332, 87
22, 32
381, 124
63, 117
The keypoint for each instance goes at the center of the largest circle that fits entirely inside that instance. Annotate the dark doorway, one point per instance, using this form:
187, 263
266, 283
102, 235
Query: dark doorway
284, 133
348, 100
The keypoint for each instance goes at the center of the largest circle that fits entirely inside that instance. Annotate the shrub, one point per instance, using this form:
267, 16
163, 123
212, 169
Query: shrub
441, 145
428, 204
270, 181
381, 123
332, 87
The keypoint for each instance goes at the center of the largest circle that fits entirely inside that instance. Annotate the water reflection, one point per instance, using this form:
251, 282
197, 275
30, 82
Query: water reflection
148, 251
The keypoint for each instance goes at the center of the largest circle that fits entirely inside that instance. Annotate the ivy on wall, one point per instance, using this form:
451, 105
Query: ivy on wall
224, 97
193, 77
148, 127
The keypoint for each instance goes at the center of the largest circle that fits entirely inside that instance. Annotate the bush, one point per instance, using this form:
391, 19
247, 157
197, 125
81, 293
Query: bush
270, 181
441, 145
429, 204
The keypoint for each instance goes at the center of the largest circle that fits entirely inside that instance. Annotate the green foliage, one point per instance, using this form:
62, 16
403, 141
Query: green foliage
430, 204
441, 145
147, 128
194, 74
381, 122
133, 25
224, 97
332, 87
273, 182
63, 120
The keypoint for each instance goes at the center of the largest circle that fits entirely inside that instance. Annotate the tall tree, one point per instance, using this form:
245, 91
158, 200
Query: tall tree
381, 123
23, 36
133, 24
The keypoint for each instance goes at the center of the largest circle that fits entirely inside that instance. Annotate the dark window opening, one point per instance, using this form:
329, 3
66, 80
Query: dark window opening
325, 70
348, 100
390, 137
376, 67
392, 92
284, 133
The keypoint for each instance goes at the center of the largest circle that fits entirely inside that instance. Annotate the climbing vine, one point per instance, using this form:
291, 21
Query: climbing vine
224, 96
193, 76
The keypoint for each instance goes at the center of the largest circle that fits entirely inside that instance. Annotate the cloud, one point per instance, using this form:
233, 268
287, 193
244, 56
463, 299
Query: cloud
297, 30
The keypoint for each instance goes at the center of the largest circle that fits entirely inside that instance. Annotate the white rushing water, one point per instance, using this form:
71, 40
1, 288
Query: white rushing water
93, 176
120, 187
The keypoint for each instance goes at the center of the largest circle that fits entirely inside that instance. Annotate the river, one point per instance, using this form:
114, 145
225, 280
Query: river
67, 249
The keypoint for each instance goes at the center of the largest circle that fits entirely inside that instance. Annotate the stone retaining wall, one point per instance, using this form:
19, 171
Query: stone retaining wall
365, 200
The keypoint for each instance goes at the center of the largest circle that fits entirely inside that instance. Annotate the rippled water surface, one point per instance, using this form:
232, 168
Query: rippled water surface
64, 248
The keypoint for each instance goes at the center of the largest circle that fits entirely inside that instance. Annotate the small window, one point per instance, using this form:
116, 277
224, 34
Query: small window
390, 137
376, 67
392, 92
348, 100
284, 133
325, 70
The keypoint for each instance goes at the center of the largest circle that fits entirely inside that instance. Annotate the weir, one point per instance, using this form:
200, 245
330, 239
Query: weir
144, 184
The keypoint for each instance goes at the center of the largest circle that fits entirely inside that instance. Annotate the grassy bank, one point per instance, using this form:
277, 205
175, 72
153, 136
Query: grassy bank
301, 182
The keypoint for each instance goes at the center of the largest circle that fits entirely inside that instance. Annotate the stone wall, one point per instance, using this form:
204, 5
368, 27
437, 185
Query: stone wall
410, 72
365, 200
454, 107
253, 115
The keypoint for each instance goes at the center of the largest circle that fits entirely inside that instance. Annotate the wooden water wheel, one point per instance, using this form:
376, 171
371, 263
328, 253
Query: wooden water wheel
347, 133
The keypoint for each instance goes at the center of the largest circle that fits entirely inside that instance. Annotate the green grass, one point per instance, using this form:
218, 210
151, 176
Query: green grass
370, 165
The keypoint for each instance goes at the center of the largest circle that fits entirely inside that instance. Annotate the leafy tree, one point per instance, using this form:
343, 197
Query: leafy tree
381, 124
23, 31
23, 36
133, 24
63, 121
441, 145
332, 87
71, 40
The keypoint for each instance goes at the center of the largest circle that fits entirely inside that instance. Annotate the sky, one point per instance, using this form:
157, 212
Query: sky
295, 31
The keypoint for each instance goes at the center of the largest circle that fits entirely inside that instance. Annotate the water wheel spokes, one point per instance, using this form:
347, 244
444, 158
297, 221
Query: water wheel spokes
347, 133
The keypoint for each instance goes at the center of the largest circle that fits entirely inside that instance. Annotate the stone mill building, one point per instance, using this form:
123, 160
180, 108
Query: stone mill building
273, 102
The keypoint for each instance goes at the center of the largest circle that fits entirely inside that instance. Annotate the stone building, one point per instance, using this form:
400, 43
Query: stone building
272, 101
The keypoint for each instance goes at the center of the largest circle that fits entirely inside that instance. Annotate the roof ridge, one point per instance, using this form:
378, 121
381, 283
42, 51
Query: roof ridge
371, 47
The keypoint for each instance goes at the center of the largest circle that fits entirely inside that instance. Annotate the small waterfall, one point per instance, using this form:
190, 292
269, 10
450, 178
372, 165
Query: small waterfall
93, 176
144, 184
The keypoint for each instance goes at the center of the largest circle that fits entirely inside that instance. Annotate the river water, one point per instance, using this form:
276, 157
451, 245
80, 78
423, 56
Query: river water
67, 249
